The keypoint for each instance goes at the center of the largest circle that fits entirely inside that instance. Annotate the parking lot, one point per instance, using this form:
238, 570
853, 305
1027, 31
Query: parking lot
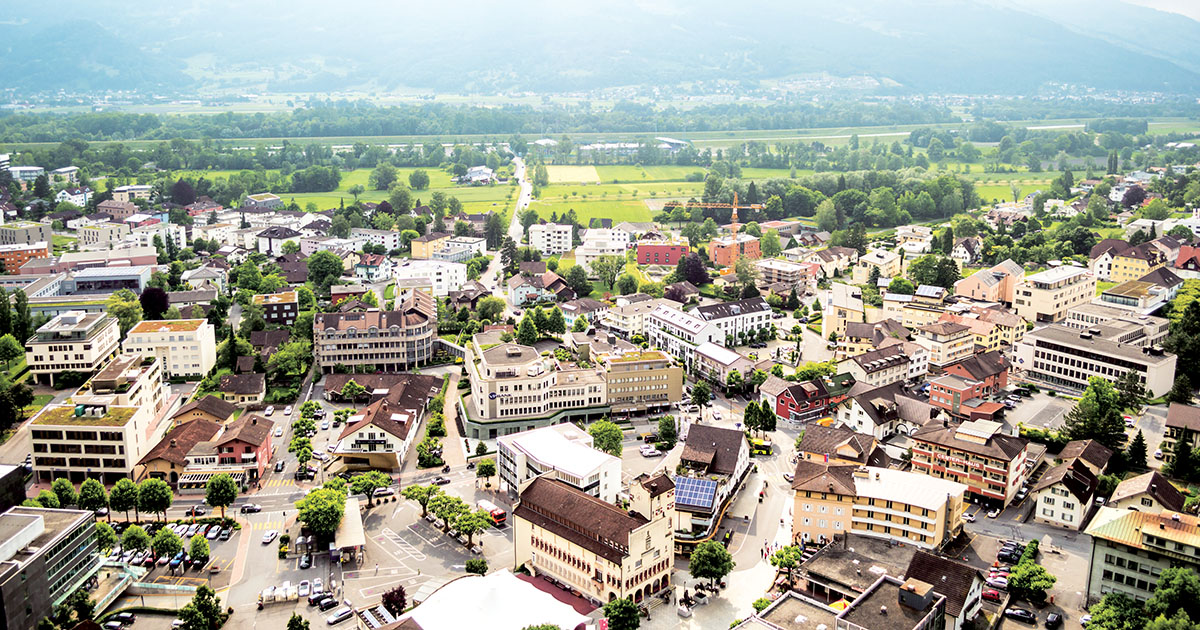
182, 569
1040, 410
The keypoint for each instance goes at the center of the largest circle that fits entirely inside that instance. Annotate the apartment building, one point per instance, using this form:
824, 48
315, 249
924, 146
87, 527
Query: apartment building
839, 445
998, 284
660, 252
679, 334
883, 411
717, 363
601, 242
887, 263
131, 192
1130, 550
905, 507
74, 341
423, 247
740, 321
910, 311
443, 275
962, 397
835, 260
725, 252
843, 305
17, 254
388, 239
1065, 357
947, 342
1048, 296
278, 308
103, 233
599, 549
117, 210
24, 233
775, 271
1136, 262
862, 337
641, 380
551, 238
514, 388
389, 340
187, 347
877, 367
976, 453
106, 427
565, 449
47, 555
629, 319
1183, 423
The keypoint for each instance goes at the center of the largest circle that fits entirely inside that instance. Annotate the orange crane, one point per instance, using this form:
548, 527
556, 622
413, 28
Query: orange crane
719, 206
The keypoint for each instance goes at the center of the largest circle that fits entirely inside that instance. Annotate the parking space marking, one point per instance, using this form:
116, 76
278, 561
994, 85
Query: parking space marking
403, 545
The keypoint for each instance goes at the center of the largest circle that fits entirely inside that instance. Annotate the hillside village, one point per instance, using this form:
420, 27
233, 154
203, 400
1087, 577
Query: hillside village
764, 405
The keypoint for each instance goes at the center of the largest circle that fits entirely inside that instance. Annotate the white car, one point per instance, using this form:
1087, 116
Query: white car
270, 410
305, 588
288, 411
1158, 454
318, 586
278, 431
269, 536
650, 451
969, 517
998, 582
993, 513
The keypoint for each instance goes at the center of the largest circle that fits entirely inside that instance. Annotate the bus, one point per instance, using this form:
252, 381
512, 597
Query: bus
498, 515
760, 446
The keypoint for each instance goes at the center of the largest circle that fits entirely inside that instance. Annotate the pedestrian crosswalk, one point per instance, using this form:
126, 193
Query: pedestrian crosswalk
278, 483
276, 523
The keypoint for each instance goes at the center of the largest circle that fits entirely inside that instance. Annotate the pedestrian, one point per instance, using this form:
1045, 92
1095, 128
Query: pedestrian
376, 568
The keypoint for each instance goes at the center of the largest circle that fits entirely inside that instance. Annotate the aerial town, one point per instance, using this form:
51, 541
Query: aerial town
633, 315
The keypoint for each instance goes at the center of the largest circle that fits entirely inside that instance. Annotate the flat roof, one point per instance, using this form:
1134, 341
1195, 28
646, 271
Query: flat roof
168, 325
912, 488
64, 415
562, 449
1056, 274
282, 297
790, 612
720, 354
1060, 334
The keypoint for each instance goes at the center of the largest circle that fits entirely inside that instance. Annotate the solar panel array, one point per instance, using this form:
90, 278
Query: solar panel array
695, 492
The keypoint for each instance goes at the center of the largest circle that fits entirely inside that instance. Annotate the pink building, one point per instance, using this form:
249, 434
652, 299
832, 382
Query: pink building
660, 253
998, 284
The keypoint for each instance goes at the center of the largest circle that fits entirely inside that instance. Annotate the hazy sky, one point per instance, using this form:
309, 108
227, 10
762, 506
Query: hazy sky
1190, 8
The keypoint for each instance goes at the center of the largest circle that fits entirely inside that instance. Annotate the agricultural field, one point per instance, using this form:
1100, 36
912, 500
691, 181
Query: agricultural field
561, 174
475, 199
618, 210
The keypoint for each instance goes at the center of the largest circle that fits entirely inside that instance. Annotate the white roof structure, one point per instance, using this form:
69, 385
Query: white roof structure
721, 355
497, 601
679, 319
915, 488
563, 447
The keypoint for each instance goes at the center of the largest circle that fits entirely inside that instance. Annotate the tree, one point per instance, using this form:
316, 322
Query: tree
418, 179
291, 358
901, 286
527, 333
577, 279
1097, 415
1135, 455
769, 244
322, 510
1178, 589
733, 382
203, 612
123, 497
367, 483
383, 176
472, 522
711, 561
788, 558
6, 315
106, 538
701, 394
1131, 394
1181, 391
667, 433
166, 543
22, 321
607, 268
1117, 611
48, 499
10, 349
92, 496
65, 491
1030, 580
1182, 462
324, 268
607, 437
447, 507
622, 614
296, 622
485, 468
125, 307
626, 284
154, 495
221, 491
135, 538
422, 495
395, 600
555, 323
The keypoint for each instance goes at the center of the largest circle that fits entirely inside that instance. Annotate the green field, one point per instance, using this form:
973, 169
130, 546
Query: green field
475, 199
561, 173
619, 211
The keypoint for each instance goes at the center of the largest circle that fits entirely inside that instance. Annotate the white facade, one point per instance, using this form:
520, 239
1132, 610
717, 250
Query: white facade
601, 242
187, 347
389, 239
747, 316
444, 276
1057, 506
74, 341
550, 238
565, 449
679, 334
77, 196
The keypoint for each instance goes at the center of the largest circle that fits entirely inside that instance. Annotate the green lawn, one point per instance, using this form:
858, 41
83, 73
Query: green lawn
1103, 285
619, 211
39, 401
773, 173
62, 243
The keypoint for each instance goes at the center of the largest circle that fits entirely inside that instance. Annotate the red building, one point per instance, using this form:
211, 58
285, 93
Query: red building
660, 253
989, 368
245, 443
13, 256
962, 397
798, 402
726, 251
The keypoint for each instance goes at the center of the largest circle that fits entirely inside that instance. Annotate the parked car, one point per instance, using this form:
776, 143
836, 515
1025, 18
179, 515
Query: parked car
112, 625
327, 603
1158, 454
269, 537
270, 410
226, 532
993, 513
316, 598
1053, 620
324, 425
279, 431
992, 595
279, 466
305, 588
969, 517
650, 451
1085, 620
287, 411
318, 586
998, 582
1020, 614
384, 492
125, 618
306, 561
213, 532
340, 615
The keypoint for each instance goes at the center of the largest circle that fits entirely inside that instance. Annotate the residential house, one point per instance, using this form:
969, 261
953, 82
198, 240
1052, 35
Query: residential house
836, 261
262, 200
373, 268
1183, 423
526, 289
967, 251
718, 457
1063, 495
679, 334
211, 408
423, 247
947, 342
118, 210
1149, 492
717, 364
381, 435
861, 337
740, 321
989, 369
840, 445
961, 584
799, 403
1092, 454
997, 284
77, 195
887, 263
883, 411
242, 389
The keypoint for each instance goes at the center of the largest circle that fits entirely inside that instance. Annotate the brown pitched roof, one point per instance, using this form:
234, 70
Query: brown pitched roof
822, 440
243, 383
409, 397
579, 517
715, 447
656, 485
1089, 451
984, 365
999, 446
413, 384
174, 446
952, 579
269, 338
1154, 484
244, 365
818, 477
1078, 479
1183, 417
250, 428
213, 405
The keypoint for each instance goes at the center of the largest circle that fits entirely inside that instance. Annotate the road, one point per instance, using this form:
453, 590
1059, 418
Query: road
492, 277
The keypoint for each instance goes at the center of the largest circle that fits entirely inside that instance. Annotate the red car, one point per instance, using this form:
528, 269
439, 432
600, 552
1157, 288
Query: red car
991, 594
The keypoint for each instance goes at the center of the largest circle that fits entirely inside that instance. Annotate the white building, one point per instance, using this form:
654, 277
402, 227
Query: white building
550, 238
74, 341
601, 242
563, 448
74, 194
444, 276
1064, 495
1067, 357
739, 321
388, 239
679, 334
187, 347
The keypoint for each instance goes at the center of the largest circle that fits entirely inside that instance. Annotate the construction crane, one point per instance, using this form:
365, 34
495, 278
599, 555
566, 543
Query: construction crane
735, 206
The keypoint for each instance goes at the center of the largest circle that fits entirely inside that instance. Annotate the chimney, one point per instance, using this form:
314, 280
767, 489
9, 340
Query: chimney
172, 442
883, 610
253, 420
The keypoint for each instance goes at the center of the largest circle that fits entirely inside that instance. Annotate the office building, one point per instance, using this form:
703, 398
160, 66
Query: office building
104, 233
131, 192
563, 448
1064, 357
843, 305
1130, 550
106, 280
46, 555
187, 347
640, 381
392, 341
74, 341
976, 453
947, 342
1048, 296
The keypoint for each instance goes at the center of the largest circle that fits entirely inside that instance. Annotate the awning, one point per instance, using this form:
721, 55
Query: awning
350, 533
